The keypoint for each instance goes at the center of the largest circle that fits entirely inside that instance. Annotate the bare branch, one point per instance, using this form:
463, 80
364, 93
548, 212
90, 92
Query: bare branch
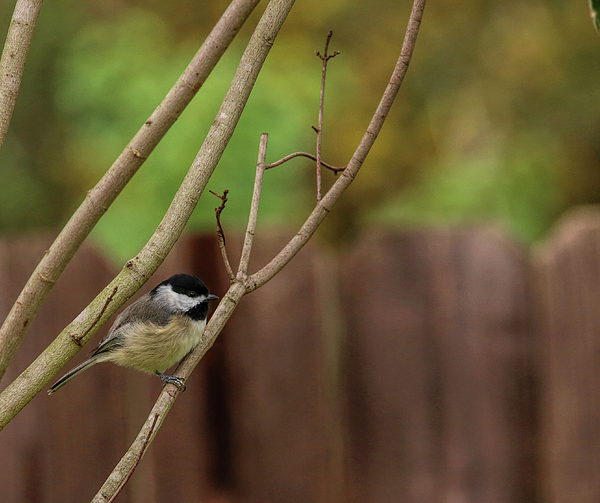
319, 129
221, 234
167, 398
112, 183
137, 270
303, 154
251, 229
14, 56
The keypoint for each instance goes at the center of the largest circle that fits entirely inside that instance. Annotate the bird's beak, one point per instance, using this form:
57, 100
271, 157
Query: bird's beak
212, 297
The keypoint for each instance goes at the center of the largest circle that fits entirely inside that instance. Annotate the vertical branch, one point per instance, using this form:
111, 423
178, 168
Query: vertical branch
251, 230
14, 56
325, 58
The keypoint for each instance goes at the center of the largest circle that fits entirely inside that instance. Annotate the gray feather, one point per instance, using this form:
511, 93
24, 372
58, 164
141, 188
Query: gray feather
142, 310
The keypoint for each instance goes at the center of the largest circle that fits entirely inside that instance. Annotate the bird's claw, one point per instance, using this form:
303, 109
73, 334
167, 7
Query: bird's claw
177, 381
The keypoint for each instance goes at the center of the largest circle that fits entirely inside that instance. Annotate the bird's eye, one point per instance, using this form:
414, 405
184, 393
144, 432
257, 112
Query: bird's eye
192, 294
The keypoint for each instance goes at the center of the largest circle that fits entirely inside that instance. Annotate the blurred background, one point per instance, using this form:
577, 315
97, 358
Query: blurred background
427, 364
497, 120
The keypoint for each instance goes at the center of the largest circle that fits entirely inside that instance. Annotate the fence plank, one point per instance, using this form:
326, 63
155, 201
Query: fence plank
568, 269
440, 368
281, 425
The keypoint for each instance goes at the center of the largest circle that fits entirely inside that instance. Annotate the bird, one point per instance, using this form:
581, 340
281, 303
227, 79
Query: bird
155, 332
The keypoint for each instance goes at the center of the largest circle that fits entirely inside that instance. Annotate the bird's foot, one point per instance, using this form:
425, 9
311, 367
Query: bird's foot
177, 381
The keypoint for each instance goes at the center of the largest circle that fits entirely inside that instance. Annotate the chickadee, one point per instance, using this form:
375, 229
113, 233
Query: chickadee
156, 331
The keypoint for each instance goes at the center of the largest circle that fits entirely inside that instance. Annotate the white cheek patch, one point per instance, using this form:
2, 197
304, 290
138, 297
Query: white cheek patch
166, 298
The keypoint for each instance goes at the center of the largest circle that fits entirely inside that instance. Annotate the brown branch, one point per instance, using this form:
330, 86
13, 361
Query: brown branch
137, 460
221, 234
14, 56
325, 58
303, 154
112, 183
77, 339
251, 229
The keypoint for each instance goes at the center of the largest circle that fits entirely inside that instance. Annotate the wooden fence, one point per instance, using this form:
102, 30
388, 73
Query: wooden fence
419, 366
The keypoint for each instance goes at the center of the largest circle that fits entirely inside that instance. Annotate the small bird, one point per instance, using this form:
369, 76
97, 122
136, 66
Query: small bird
156, 331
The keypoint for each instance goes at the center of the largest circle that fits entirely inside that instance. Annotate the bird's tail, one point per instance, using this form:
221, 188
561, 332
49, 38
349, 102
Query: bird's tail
69, 375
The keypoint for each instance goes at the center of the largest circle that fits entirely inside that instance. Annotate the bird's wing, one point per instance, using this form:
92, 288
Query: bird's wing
142, 310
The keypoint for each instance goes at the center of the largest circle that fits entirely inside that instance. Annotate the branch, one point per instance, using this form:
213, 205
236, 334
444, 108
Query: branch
221, 234
303, 154
137, 270
166, 399
238, 289
325, 58
251, 229
112, 183
14, 56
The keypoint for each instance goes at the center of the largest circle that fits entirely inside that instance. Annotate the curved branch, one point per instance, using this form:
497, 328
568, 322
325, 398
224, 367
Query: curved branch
303, 154
112, 183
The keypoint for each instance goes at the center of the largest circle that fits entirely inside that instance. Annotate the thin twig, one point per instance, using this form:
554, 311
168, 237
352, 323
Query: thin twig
251, 229
77, 339
221, 234
319, 129
304, 154
112, 183
137, 460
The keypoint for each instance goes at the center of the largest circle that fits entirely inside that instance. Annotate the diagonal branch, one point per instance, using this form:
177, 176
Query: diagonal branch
324, 205
137, 270
108, 188
14, 56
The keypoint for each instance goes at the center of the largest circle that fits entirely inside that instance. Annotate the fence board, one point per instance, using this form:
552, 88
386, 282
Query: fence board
440, 368
568, 269
280, 417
